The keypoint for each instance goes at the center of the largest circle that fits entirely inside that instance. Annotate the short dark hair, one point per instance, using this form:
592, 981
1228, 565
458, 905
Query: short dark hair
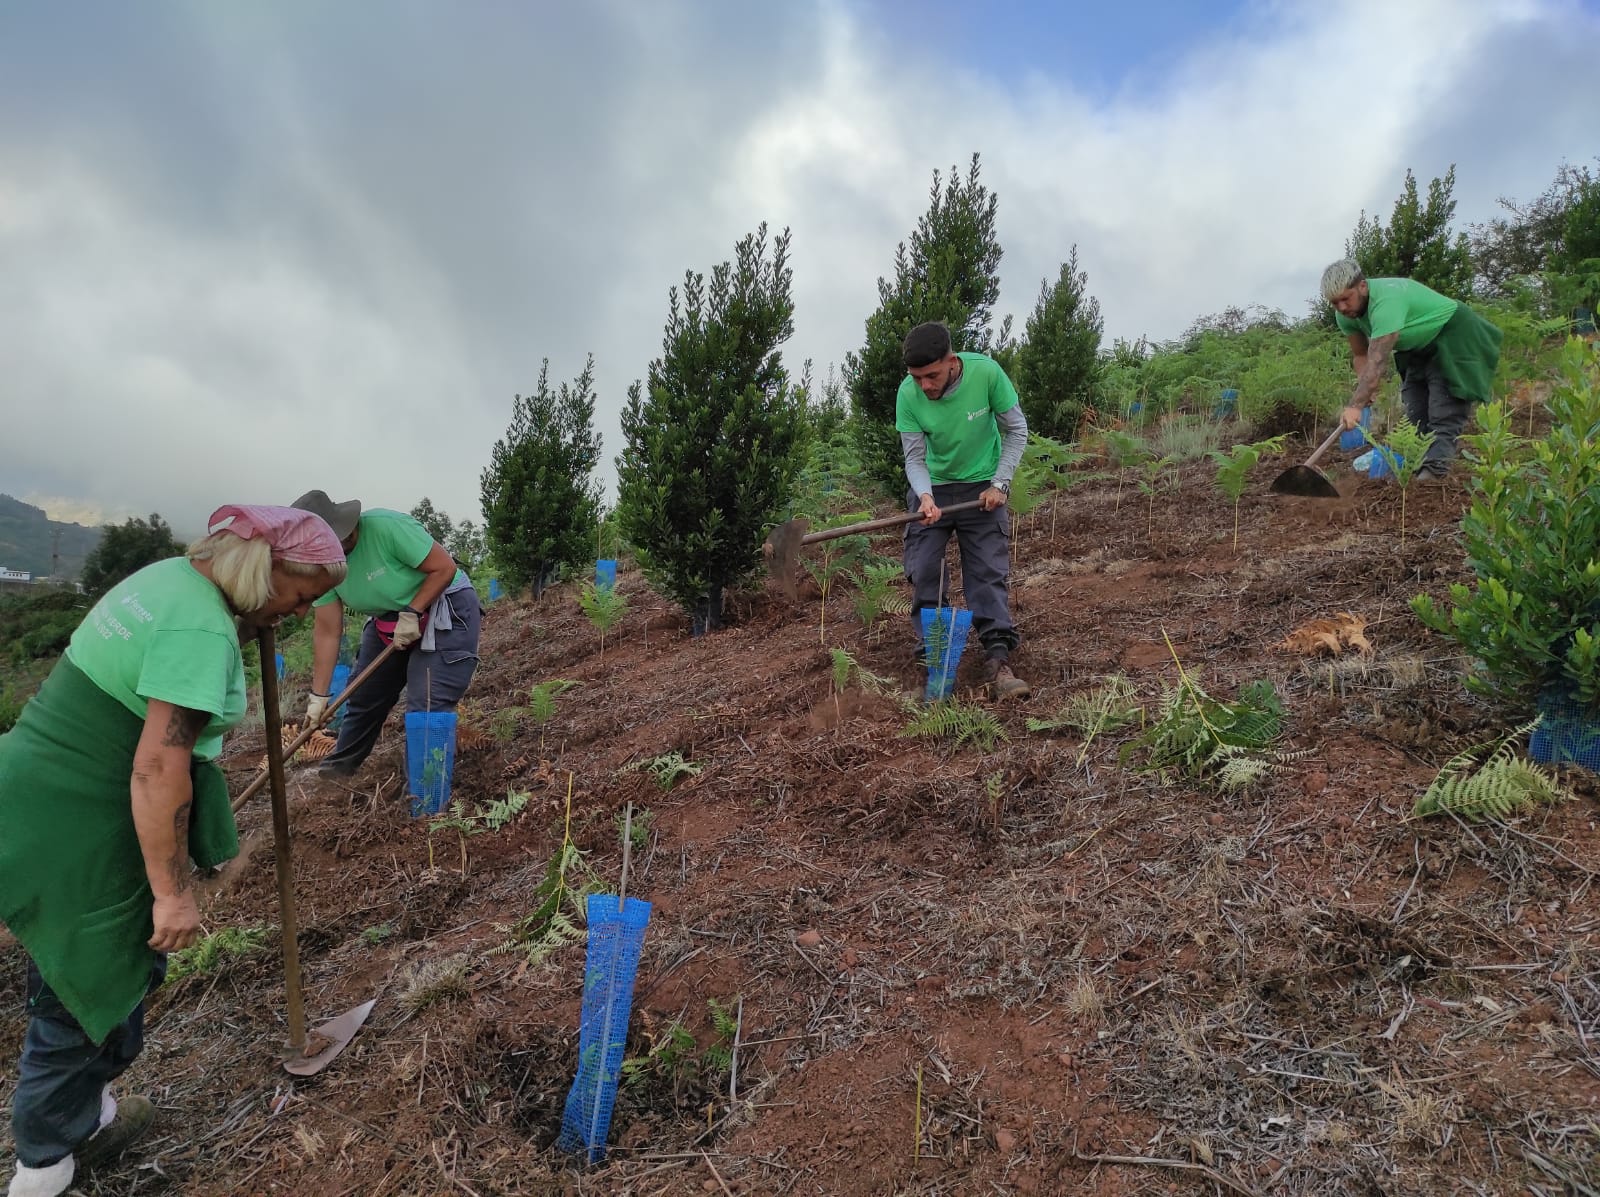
926, 344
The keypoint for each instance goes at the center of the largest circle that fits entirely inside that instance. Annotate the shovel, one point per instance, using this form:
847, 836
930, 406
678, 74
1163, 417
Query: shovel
783, 546
1306, 480
305, 1054
309, 730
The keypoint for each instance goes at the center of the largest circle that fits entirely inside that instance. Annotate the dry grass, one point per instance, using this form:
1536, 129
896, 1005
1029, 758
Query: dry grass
435, 981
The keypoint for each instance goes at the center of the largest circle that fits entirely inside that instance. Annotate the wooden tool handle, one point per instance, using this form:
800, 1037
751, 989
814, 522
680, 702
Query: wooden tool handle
1325, 446
888, 521
310, 729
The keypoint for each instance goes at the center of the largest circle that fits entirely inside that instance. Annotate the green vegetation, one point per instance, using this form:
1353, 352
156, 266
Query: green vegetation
1490, 782
211, 952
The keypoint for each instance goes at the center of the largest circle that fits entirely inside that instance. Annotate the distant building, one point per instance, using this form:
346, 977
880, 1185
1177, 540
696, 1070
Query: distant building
15, 575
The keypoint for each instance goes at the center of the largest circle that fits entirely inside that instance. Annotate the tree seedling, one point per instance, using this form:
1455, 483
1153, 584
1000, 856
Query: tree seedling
605, 606
1233, 471
1404, 451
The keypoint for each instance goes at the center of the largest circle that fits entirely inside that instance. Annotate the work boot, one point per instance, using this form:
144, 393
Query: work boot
133, 1117
1001, 682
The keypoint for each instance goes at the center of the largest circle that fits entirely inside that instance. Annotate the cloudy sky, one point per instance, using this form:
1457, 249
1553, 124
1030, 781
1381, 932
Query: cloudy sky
248, 248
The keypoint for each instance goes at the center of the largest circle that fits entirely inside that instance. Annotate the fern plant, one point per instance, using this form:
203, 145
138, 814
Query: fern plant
1110, 705
1490, 781
1233, 471
834, 560
1204, 737
553, 922
874, 582
1125, 451
1403, 451
958, 723
605, 606
666, 768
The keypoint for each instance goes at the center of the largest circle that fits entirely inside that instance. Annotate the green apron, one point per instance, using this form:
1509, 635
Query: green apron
73, 888
1468, 351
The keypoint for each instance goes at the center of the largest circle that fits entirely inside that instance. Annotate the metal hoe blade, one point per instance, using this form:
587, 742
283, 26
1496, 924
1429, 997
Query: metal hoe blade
1305, 481
327, 1041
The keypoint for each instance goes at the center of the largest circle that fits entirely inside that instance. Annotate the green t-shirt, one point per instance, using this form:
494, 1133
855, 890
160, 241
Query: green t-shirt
963, 436
383, 566
1404, 306
166, 633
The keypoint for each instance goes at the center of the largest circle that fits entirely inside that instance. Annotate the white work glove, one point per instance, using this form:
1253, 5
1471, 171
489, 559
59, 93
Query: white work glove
316, 708
407, 631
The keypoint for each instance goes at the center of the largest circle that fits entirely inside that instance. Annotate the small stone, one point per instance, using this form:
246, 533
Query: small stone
709, 1186
850, 958
1215, 819
809, 939
1005, 1142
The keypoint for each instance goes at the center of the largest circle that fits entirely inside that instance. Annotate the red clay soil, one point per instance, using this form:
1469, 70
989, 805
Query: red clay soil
1032, 970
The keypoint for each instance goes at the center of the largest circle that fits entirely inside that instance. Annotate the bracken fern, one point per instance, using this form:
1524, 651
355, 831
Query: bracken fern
1503, 785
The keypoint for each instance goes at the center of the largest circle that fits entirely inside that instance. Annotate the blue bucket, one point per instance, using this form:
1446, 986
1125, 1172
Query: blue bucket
494, 589
1381, 463
1352, 439
605, 573
341, 679
942, 672
430, 759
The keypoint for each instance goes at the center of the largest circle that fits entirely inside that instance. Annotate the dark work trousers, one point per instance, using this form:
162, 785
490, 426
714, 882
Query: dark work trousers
984, 538
62, 1073
1432, 408
432, 681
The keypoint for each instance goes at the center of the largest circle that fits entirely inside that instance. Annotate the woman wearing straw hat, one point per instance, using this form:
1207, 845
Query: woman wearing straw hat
415, 596
108, 788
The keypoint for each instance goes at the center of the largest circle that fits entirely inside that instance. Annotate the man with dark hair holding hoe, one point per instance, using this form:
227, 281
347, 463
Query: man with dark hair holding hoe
962, 433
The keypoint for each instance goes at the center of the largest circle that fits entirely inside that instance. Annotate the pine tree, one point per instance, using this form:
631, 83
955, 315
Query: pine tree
125, 549
1418, 243
949, 271
540, 502
1058, 365
712, 445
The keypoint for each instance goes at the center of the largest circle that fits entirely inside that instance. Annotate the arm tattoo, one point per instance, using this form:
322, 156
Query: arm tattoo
1379, 354
184, 728
179, 864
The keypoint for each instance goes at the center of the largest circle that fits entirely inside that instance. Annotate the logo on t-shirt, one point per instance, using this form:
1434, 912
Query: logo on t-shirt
377, 573
973, 415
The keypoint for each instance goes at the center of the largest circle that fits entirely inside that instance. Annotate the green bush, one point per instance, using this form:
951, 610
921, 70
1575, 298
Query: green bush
1532, 535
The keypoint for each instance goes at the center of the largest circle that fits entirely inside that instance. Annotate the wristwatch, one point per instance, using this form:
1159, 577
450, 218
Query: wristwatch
409, 608
1003, 487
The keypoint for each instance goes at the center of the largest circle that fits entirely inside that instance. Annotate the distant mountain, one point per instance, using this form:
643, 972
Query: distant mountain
28, 537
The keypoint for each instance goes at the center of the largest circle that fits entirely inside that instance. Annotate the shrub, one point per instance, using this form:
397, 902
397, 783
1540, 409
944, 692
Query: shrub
1532, 619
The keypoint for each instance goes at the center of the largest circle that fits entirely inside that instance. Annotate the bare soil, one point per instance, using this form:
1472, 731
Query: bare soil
1036, 970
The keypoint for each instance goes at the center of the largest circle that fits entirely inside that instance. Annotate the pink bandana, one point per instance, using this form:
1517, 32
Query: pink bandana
294, 535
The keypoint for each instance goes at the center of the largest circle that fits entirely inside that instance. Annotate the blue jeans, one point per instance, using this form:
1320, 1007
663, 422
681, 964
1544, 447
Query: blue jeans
984, 538
62, 1073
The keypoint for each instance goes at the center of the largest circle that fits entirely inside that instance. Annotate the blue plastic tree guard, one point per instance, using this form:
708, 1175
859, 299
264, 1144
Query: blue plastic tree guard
495, 590
605, 573
1567, 734
283, 670
1385, 462
341, 679
430, 759
1227, 405
942, 658
611, 965
1352, 439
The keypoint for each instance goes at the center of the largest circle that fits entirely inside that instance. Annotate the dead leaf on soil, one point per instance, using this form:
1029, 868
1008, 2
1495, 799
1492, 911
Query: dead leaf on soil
318, 746
1343, 633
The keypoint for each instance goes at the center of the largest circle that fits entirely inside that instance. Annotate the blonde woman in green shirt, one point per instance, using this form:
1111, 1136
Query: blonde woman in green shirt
109, 787
1445, 353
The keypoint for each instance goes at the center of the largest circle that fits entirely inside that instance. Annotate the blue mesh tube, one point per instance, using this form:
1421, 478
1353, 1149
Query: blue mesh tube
1567, 734
605, 573
616, 939
942, 658
430, 759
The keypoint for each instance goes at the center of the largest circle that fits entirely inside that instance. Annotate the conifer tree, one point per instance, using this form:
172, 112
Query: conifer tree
712, 437
540, 502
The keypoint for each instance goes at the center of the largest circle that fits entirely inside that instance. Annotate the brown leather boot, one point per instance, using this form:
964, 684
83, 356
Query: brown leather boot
134, 1116
1001, 682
